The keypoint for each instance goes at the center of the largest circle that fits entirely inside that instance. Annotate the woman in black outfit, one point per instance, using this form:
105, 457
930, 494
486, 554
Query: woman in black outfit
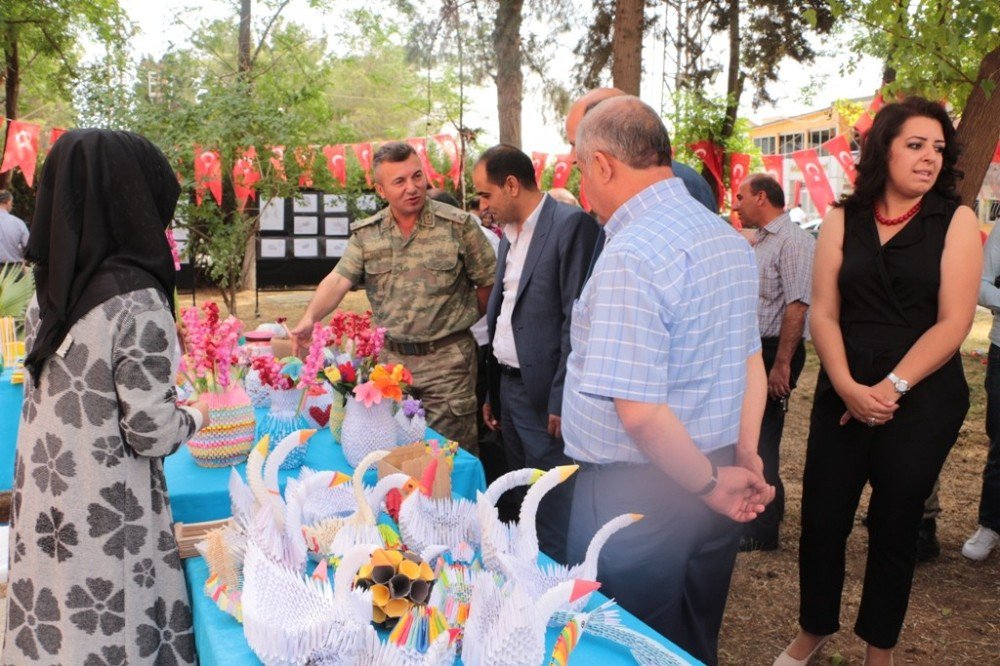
895, 282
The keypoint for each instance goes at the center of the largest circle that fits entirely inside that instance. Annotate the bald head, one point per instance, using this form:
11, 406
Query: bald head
627, 129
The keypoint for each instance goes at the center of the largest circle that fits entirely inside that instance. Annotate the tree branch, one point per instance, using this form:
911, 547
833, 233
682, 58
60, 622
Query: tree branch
267, 29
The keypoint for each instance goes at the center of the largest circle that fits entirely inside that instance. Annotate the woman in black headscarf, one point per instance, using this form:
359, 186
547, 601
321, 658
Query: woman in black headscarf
95, 575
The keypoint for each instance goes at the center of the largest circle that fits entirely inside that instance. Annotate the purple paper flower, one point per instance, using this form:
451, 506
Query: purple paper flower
412, 407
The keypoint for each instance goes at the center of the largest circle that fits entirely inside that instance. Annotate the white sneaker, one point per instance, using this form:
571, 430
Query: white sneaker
980, 544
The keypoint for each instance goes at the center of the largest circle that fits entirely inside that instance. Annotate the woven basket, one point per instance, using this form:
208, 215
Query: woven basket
228, 439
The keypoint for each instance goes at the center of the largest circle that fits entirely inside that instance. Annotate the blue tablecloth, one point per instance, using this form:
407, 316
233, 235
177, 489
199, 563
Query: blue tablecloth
200, 493
11, 396
219, 637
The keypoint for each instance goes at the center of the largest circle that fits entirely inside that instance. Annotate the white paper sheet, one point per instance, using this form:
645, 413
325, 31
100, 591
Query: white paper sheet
272, 215
336, 247
306, 226
334, 203
306, 203
335, 226
305, 247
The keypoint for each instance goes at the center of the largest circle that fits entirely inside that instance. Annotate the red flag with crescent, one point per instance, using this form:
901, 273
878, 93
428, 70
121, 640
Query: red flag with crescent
863, 124
21, 150
363, 151
245, 176
840, 148
774, 165
207, 174
739, 167
450, 148
54, 135
711, 156
797, 194
277, 161
336, 163
538, 161
304, 157
815, 178
561, 171
420, 145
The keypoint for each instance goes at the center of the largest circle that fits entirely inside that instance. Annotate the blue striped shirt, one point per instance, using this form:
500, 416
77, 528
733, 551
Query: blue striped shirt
668, 316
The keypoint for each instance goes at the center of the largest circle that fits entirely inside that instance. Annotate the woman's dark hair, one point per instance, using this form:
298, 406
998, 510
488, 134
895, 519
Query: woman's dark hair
873, 167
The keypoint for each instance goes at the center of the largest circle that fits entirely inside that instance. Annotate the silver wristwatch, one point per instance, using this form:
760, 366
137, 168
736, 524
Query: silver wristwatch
901, 385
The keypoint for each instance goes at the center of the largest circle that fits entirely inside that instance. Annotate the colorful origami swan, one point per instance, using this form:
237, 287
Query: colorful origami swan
426, 522
496, 536
506, 626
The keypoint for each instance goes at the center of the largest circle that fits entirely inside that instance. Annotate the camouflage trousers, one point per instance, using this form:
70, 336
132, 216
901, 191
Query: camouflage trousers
446, 383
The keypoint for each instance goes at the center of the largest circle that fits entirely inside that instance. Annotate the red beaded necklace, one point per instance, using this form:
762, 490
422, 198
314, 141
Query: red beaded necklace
892, 221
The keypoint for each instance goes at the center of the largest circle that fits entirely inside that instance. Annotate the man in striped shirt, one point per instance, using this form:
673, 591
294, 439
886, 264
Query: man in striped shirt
665, 385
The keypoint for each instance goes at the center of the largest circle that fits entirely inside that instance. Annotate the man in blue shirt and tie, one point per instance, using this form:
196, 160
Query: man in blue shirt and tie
665, 384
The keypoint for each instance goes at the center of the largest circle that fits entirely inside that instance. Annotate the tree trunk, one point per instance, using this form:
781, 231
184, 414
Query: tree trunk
734, 85
12, 85
979, 129
244, 39
626, 45
510, 80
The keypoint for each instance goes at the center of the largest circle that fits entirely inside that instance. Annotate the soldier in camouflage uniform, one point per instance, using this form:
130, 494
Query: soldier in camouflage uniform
428, 272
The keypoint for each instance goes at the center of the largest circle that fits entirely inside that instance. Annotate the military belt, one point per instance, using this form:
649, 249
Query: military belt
424, 348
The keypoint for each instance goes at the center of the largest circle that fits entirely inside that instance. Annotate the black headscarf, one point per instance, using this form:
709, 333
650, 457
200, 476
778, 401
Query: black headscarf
103, 204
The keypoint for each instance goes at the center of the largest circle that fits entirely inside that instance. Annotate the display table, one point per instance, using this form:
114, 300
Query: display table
11, 396
219, 637
198, 493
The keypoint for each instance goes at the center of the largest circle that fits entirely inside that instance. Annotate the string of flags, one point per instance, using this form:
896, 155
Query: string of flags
21, 151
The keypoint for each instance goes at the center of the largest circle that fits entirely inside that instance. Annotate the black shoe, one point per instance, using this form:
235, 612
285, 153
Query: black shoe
928, 547
749, 543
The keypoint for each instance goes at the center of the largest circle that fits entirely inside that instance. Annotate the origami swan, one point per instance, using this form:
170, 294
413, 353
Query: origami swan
426, 522
506, 626
538, 578
496, 536
290, 619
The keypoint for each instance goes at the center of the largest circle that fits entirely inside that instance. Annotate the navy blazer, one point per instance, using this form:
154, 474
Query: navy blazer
555, 269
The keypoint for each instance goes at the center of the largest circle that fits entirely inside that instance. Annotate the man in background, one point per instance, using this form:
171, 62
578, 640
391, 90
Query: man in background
784, 263
13, 232
541, 267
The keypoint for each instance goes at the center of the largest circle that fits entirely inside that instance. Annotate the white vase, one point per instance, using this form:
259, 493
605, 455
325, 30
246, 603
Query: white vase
260, 394
409, 430
367, 429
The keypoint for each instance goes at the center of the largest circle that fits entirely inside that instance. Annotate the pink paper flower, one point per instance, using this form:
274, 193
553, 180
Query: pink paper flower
368, 393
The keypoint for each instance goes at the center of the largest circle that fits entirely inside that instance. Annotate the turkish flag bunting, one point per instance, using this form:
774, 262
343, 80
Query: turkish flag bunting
336, 163
863, 124
363, 151
739, 167
996, 154
584, 202
815, 178
304, 157
538, 161
561, 171
245, 176
775, 167
420, 145
877, 103
797, 194
207, 174
55, 134
839, 147
450, 148
711, 156
277, 161
22, 149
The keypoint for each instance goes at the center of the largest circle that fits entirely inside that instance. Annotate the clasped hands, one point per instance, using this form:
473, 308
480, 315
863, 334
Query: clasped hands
872, 405
741, 492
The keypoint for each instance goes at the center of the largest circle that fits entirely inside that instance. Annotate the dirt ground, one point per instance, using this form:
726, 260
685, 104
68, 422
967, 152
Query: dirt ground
954, 613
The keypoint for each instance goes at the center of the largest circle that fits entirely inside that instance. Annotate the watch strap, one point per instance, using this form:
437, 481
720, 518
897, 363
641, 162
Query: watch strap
712, 482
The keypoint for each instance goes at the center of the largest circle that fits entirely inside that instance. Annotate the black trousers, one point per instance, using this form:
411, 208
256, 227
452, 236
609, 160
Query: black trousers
491, 452
989, 501
764, 528
901, 461
672, 568
527, 443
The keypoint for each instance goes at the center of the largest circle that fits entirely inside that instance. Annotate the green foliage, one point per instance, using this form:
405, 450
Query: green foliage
16, 289
48, 35
935, 48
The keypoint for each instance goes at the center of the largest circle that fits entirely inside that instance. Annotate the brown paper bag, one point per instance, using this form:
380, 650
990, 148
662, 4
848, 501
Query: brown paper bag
413, 460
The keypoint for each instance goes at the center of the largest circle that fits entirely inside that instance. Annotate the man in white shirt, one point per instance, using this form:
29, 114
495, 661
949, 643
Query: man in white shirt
13, 232
541, 268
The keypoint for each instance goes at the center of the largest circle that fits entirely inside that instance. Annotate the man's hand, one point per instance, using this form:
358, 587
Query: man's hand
740, 494
489, 419
555, 426
779, 381
301, 334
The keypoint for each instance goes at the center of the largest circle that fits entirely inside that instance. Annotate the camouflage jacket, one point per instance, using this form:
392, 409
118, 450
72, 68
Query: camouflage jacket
423, 287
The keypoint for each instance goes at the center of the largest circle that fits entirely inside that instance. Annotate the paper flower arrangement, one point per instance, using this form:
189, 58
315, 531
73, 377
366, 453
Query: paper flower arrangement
210, 362
397, 582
